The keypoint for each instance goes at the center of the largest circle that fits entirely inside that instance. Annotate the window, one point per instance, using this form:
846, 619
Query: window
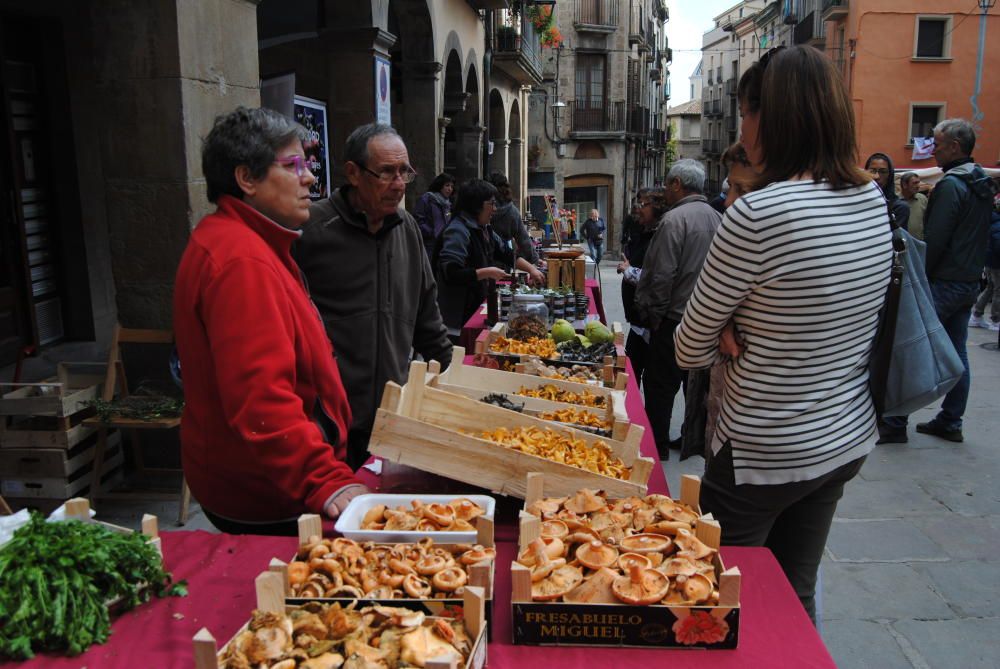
923, 117
590, 81
933, 37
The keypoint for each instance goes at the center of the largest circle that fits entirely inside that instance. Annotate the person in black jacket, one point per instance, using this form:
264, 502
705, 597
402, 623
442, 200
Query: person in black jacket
882, 170
469, 254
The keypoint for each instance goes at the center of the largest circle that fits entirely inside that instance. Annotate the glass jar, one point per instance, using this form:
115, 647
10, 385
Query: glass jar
525, 304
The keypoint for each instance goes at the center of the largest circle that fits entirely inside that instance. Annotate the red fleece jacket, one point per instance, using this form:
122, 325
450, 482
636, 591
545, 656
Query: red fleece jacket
255, 360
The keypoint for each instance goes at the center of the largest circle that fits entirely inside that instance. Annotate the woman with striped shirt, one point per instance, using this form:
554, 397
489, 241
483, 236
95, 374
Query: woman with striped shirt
791, 290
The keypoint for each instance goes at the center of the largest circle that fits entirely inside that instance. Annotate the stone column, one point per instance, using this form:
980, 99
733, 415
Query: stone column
443, 123
162, 75
499, 161
419, 124
514, 159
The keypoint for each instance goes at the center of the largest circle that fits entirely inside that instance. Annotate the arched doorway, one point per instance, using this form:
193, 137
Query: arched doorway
454, 103
498, 134
514, 153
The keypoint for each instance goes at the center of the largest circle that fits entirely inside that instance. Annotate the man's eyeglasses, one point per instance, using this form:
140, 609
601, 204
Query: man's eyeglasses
295, 163
388, 175
878, 171
766, 58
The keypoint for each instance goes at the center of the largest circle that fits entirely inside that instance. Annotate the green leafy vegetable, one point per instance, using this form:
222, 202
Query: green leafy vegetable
56, 580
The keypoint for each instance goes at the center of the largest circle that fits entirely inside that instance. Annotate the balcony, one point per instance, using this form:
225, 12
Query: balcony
638, 28
638, 121
731, 122
710, 147
804, 30
731, 86
588, 116
599, 16
711, 108
517, 52
834, 9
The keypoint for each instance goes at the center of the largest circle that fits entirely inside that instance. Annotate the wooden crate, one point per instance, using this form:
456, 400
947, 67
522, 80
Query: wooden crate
623, 625
66, 486
44, 432
270, 597
433, 430
47, 462
63, 395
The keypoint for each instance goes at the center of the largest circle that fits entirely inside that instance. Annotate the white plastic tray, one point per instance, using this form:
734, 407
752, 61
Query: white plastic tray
349, 522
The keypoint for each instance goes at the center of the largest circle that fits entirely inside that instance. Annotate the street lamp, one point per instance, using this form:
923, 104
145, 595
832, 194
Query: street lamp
986, 6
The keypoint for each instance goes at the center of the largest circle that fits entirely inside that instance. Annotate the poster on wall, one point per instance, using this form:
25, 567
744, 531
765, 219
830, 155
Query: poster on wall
311, 115
383, 113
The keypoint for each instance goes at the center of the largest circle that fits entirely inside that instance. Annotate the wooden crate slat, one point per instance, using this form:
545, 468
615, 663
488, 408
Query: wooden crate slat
66, 487
46, 462
20, 435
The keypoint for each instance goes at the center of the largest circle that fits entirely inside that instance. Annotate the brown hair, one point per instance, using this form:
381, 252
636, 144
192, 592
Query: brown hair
811, 130
736, 154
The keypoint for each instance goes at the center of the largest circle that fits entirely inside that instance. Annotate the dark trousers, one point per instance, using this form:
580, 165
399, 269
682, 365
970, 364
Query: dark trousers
357, 447
791, 519
282, 528
662, 378
636, 349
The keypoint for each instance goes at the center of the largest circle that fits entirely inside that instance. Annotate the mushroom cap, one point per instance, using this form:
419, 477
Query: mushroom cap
542, 506
628, 504
666, 527
627, 560
554, 528
585, 501
442, 514
646, 543
689, 544
696, 588
680, 565
596, 554
466, 509
376, 514
641, 586
543, 569
595, 589
673, 510
557, 584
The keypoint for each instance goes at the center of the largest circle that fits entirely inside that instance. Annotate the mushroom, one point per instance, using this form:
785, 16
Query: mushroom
460, 525
672, 510
552, 547
376, 514
585, 501
646, 543
641, 586
642, 517
450, 579
595, 589
543, 506
380, 592
666, 527
595, 555
689, 544
466, 509
554, 528
421, 645
627, 560
417, 587
696, 588
581, 536
441, 514
679, 565
429, 565
324, 661
477, 554
628, 504
556, 584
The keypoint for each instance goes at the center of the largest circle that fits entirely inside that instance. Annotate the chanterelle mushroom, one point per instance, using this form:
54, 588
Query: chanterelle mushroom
641, 586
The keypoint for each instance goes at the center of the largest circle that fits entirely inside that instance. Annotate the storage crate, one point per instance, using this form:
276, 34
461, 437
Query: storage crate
48, 482
433, 430
652, 626
69, 392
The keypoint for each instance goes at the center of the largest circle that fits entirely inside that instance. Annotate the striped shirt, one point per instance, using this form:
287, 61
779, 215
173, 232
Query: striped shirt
802, 270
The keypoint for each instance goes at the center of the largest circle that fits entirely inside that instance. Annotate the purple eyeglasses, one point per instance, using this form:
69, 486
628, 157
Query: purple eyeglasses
296, 162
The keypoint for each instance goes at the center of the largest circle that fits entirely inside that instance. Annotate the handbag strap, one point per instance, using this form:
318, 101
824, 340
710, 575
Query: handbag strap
886, 334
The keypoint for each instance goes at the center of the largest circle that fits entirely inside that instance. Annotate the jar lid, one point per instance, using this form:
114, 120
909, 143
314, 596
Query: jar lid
527, 297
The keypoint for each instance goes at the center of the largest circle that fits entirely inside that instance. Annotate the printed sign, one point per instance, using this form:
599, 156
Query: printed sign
311, 115
383, 110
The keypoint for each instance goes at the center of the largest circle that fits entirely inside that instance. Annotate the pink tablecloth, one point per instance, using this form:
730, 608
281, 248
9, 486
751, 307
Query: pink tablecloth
477, 323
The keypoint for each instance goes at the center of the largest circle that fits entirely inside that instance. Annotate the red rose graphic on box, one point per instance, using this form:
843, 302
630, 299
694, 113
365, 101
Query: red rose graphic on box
701, 627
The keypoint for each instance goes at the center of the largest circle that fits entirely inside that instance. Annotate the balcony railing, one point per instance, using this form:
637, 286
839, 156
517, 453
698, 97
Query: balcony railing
731, 86
590, 116
834, 9
711, 108
518, 51
637, 24
599, 14
804, 30
638, 121
710, 146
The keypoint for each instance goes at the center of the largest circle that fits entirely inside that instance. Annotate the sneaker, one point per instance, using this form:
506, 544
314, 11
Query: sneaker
936, 430
978, 321
892, 437
993, 326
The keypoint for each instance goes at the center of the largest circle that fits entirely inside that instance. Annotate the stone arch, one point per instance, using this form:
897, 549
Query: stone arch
452, 42
498, 133
589, 149
472, 67
515, 151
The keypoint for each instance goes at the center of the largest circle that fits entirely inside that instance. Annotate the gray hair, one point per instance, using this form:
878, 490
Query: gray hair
906, 176
356, 147
690, 173
959, 130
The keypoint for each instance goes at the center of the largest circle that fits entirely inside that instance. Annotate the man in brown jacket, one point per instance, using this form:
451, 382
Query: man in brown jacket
369, 275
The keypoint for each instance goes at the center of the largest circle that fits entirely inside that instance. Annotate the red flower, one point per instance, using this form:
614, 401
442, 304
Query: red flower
700, 628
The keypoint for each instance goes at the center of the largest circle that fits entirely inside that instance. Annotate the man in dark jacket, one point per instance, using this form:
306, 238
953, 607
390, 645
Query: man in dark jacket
990, 294
956, 230
880, 166
507, 223
593, 230
671, 267
368, 274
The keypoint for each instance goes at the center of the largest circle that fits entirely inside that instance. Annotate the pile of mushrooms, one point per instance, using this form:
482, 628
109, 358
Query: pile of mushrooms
344, 568
455, 516
323, 636
636, 550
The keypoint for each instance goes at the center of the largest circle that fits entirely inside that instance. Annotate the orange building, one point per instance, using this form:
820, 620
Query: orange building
911, 64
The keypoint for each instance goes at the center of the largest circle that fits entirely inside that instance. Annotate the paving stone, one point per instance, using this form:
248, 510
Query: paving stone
968, 497
966, 643
971, 587
886, 499
881, 541
863, 644
964, 538
873, 592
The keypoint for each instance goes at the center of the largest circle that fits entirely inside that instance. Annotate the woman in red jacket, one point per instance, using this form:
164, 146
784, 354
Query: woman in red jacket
265, 417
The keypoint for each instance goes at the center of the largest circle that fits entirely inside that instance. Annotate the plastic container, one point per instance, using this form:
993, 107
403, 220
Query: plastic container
529, 305
349, 522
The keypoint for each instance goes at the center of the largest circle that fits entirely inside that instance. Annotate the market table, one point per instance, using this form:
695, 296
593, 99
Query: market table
220, 569
477, 322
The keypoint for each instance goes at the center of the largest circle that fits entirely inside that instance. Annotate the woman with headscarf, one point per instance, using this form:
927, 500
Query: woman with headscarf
265, 414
